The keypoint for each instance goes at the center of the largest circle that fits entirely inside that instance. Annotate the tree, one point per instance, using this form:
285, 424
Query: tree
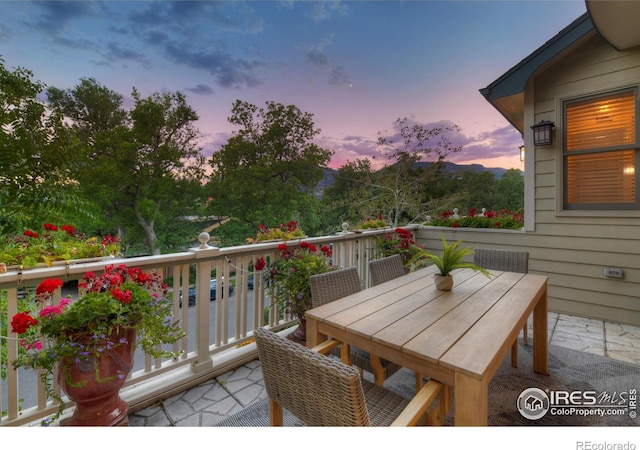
399, 188
134, 163
35, 160
479, 190
268, 170
348, 198
510, 192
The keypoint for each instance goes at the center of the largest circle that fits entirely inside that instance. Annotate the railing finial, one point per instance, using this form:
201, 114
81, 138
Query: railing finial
204, 239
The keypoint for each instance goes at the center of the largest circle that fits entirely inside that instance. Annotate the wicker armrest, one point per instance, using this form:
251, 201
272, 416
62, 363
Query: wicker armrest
325, 347
419, 404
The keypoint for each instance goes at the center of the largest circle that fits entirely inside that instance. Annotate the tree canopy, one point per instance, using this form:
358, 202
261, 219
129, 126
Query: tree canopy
268, 170
35, 163
133, 163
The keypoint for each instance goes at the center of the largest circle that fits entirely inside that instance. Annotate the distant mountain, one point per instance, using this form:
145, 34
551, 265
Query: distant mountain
453, 167
449, 167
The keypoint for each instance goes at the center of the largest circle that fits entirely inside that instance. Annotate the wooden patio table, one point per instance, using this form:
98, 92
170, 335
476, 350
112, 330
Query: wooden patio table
459, 337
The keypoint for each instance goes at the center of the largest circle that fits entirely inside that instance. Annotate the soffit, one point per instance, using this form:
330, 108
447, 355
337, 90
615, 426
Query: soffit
618, 22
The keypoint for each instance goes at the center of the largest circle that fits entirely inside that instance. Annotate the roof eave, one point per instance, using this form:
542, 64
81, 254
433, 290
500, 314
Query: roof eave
508, 88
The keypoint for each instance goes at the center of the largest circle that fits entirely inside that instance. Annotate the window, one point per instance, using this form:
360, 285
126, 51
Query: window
601, 152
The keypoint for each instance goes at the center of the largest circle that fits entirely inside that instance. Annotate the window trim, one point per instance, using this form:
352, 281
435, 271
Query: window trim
588, 207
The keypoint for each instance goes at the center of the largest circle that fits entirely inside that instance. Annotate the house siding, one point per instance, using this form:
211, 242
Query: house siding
573, 248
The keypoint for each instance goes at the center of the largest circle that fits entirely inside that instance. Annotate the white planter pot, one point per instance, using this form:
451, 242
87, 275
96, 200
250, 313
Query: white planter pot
444, 282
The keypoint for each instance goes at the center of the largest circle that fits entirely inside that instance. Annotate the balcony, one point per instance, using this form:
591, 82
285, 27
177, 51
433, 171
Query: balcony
218, 373
216, 331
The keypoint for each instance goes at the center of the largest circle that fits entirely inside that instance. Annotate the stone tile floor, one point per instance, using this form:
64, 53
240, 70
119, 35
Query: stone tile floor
216, 399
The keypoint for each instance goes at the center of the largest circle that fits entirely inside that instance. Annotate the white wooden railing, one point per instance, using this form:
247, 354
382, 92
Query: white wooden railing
216, 332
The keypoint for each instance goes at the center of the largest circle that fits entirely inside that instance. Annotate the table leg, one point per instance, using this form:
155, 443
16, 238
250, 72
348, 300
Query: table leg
470, 400
313, 337
540, 335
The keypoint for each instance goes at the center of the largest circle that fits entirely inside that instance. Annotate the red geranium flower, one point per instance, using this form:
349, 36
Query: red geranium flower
21, 322
259, 264
108, 239
49, 286
31, 234
310, 247
292, 226
50, 227
120, 295
69, 230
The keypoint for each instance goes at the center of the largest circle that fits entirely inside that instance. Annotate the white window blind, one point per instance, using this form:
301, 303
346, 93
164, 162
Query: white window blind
605, 122
602, 177
600, 152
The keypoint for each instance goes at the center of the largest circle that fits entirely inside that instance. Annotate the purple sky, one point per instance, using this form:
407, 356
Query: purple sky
357, 66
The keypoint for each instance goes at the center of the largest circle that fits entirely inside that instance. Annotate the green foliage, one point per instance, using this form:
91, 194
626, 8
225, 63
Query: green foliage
400, 242
370, 223
132, 163
451, 258
282, 232
348, 198
291, 272
267, 172
37, 156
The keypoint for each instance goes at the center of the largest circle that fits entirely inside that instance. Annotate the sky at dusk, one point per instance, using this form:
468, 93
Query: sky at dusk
357, 66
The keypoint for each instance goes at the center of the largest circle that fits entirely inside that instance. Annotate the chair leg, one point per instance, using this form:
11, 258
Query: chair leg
419, 381
275, 414
514, 354
525, 333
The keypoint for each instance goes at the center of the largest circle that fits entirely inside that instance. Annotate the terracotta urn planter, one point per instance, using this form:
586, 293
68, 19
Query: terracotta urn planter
444, 282
299, 335
94, 384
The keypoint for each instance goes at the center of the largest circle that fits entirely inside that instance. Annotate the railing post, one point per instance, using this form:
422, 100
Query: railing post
203, 280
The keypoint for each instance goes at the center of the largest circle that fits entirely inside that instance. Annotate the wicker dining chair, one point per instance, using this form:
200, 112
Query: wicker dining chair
385, 269
329, 286
322, 391
510, 261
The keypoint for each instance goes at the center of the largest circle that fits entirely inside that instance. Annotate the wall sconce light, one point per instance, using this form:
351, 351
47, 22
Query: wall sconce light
543, 133
522, 153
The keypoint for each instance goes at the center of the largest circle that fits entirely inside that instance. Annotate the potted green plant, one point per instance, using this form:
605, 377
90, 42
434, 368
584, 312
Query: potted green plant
452, 258
290, 275
91, 340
